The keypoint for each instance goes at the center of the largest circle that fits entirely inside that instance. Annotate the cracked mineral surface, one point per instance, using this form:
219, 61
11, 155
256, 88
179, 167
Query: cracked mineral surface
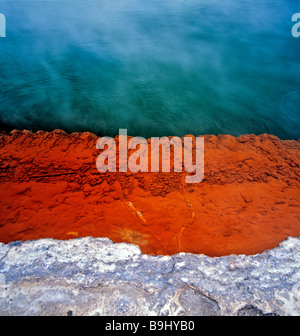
94, 276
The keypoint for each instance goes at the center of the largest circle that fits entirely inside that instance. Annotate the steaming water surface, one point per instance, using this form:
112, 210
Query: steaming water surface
154, 67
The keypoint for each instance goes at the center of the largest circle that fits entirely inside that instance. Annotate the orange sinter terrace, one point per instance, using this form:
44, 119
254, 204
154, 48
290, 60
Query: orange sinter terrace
247, 200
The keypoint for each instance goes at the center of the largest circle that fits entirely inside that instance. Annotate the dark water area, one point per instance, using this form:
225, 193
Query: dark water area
154, 67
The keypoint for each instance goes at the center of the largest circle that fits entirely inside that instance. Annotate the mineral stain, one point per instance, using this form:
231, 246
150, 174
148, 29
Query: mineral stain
248, 201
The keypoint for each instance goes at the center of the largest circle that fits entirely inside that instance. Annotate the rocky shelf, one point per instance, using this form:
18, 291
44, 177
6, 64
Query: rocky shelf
94, 276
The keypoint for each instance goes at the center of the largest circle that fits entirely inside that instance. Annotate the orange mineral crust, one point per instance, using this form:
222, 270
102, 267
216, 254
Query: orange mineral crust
248, 201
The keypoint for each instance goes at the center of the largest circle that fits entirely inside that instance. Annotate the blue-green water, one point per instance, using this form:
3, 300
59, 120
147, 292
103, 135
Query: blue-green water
155, 67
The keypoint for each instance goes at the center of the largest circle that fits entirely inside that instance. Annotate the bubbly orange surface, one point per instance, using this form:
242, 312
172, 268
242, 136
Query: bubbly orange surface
248, 202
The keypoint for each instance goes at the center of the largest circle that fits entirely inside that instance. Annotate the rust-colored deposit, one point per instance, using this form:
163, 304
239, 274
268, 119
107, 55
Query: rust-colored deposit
248, 202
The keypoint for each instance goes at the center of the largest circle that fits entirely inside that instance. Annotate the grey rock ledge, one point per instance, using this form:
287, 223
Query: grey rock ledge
94, 276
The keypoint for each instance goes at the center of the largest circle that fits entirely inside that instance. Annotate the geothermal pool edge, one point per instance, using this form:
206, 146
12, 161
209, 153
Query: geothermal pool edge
248, 201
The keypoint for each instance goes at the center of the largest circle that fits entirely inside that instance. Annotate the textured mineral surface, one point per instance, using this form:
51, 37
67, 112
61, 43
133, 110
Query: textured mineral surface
94, 276
248, 201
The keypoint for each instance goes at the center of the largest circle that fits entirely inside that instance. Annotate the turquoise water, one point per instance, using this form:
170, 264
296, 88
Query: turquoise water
154, 67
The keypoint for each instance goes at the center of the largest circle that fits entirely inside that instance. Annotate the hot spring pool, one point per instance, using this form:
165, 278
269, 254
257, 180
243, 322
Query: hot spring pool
154, 67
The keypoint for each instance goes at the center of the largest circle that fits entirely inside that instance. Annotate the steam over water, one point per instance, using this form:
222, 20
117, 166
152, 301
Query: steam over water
155, 67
